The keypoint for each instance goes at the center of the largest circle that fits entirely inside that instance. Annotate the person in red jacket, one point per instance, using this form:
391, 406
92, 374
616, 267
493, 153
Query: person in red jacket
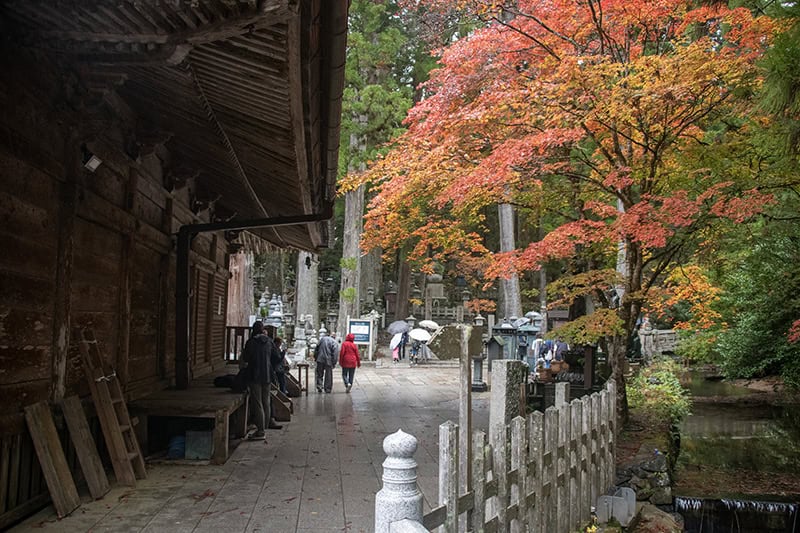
349, 360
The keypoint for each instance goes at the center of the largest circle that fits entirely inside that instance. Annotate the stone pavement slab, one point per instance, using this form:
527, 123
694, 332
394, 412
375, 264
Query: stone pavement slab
319, 473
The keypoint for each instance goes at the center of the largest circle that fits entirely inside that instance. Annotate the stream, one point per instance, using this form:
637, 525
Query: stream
739, 463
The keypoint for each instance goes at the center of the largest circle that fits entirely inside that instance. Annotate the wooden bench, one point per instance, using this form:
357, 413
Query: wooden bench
201, 400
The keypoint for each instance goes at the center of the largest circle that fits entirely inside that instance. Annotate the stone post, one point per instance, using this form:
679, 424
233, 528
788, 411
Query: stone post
507, 376
400, 498
562, 393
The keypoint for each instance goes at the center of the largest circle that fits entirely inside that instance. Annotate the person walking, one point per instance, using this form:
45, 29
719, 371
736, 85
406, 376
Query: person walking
326, 355
257, 376
349, 360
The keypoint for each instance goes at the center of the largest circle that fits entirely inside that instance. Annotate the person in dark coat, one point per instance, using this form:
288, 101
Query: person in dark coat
349, 360
326, 354
256, 356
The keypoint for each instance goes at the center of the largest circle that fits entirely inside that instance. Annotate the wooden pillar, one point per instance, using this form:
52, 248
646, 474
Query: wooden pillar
165, 291
182, 308
68, 207
126, 258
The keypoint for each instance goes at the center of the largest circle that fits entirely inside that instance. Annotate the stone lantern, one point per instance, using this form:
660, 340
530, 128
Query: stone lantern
478, 385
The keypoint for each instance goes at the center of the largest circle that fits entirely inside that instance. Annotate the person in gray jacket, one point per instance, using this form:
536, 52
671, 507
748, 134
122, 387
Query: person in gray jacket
327, 355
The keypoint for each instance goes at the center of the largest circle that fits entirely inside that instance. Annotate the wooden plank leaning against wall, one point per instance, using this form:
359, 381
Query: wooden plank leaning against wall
81, 249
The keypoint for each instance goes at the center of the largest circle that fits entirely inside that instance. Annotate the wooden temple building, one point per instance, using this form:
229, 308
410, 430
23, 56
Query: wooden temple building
141, 143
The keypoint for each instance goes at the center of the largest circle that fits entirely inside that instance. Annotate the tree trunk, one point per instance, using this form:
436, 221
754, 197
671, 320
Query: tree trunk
371, 275
240, 290
617, 359
307, 291
511, 299
403, 286
349, 295
622, 259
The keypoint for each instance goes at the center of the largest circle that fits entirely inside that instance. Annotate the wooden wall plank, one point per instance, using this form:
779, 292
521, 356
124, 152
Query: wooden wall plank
5, 462
85, 447
51, 457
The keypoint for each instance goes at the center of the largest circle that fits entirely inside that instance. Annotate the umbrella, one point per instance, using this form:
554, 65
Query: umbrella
419, 334
398, 326
429, 324
395, 341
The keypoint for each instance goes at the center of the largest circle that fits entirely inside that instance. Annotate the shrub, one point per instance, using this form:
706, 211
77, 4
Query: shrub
697, 346
657, 393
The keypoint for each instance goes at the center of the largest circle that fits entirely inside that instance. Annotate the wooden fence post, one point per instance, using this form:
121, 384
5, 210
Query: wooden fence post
448, 474
595, 466
604, 440
500, 472
519, 462
586, 460
562, 494
612, 430
479, 481
550, 465
575, 502
536, 467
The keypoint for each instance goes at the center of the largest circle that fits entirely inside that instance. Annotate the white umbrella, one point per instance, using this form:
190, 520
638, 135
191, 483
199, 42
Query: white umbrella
428, 324
398, 326
395, 341
419, 334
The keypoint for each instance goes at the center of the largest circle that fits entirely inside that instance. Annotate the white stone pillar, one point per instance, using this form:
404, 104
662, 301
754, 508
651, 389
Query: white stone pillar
400, 498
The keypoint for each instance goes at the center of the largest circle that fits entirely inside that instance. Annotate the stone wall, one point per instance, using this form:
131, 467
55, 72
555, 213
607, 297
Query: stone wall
649, 474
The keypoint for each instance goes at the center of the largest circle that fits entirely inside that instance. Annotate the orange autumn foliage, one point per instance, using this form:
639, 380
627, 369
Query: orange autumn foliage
585, 111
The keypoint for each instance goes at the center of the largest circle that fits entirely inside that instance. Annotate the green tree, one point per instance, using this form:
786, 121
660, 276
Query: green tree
385, 62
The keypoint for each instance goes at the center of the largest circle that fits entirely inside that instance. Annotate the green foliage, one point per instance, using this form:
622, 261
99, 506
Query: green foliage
348, 263
781, 94
657, 393
697, 346
378, 88
348, 294
760, 303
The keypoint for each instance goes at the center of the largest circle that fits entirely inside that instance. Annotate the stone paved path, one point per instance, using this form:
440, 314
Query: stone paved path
319, 473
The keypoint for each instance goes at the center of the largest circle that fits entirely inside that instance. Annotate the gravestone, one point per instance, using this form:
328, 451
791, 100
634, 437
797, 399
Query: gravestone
621, 507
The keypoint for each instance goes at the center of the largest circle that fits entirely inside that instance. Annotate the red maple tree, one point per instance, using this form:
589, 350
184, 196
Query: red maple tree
592, 115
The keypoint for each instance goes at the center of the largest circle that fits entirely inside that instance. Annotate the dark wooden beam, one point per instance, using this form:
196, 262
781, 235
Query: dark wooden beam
126, 259
268, 12
67, 211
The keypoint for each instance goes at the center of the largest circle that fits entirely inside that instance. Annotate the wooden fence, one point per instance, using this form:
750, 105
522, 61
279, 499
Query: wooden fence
541, 473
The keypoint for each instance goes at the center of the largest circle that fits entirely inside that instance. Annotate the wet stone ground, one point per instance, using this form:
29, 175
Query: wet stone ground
319, 473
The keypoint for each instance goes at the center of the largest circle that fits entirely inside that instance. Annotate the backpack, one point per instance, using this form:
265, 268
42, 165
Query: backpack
235, 382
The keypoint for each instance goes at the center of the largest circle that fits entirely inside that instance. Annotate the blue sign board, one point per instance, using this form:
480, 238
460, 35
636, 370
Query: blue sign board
361, 329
